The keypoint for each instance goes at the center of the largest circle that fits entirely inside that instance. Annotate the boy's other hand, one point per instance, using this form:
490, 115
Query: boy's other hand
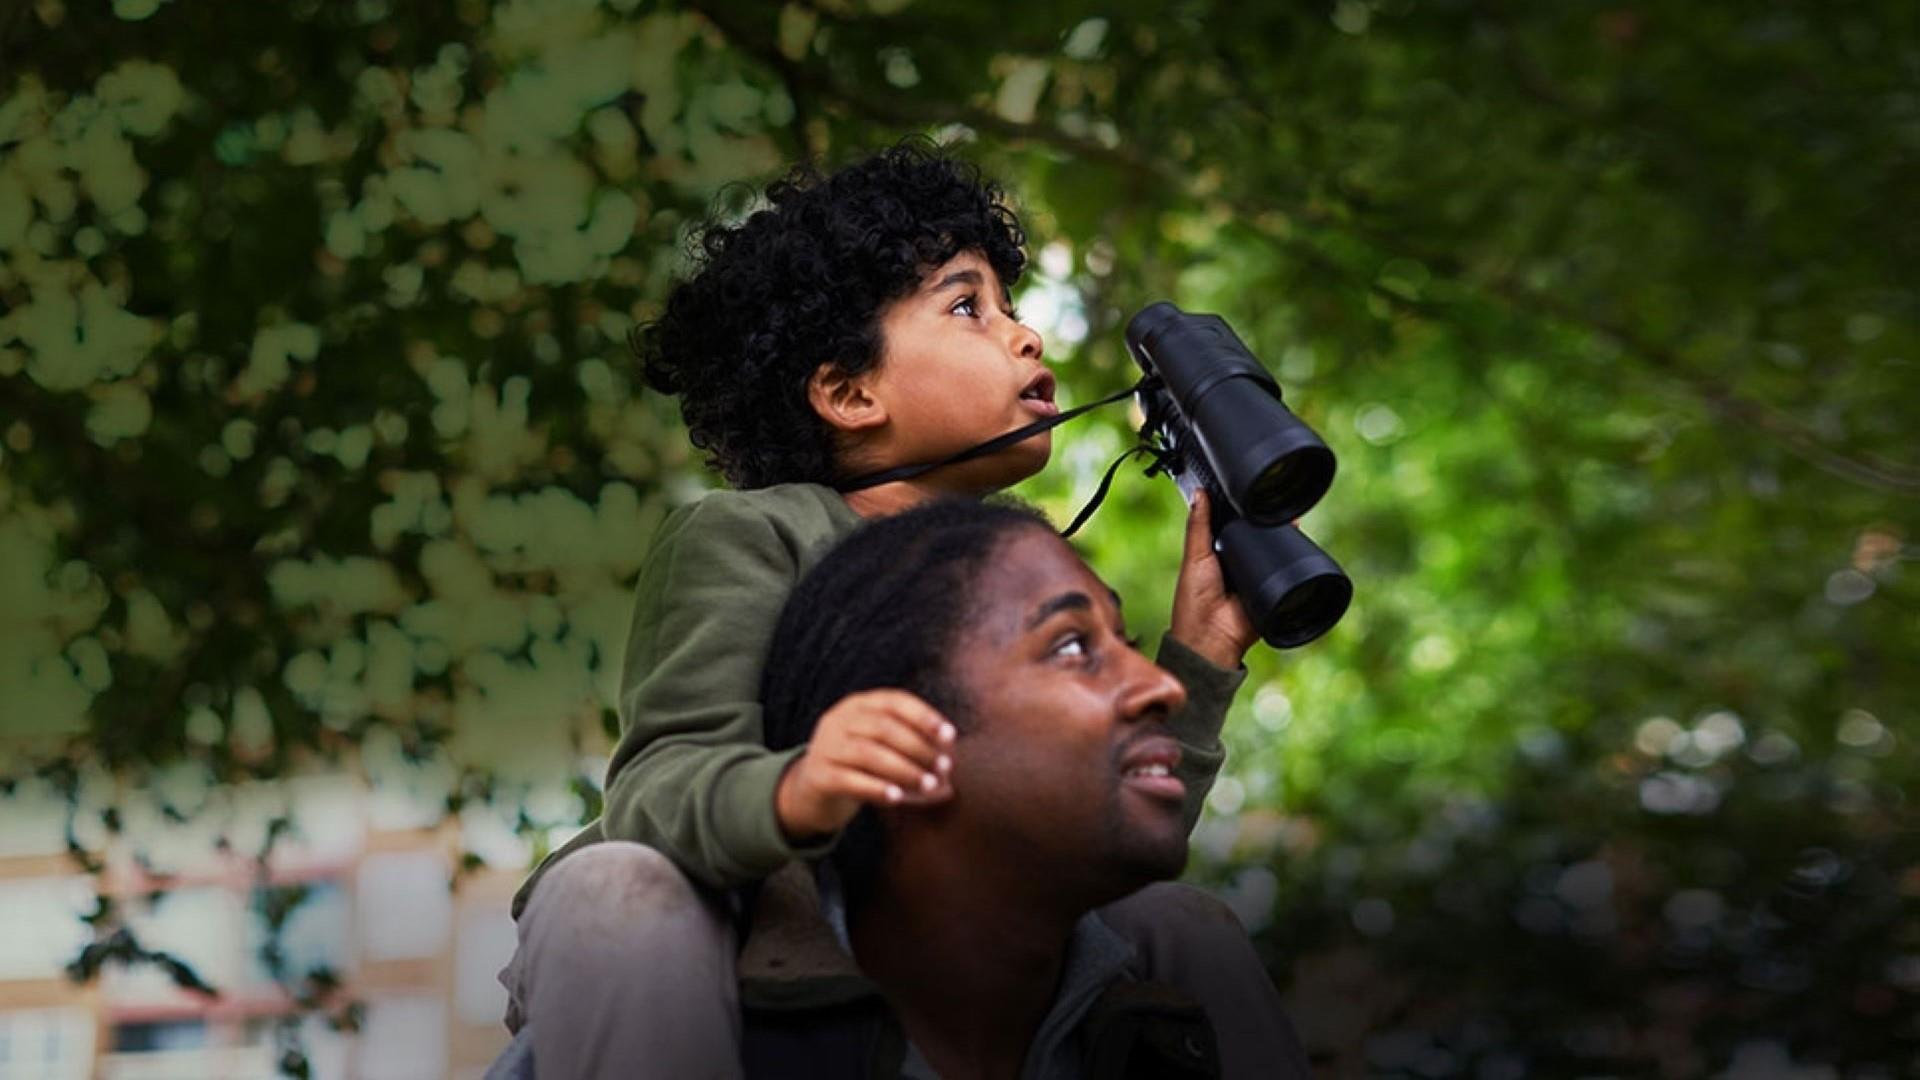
1206, 618
878, 747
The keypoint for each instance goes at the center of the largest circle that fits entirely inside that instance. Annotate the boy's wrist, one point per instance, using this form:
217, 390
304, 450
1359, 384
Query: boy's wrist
789, 810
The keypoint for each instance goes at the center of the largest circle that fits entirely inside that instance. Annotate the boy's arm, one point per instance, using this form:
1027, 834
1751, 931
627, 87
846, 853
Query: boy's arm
1210, 691
691, 775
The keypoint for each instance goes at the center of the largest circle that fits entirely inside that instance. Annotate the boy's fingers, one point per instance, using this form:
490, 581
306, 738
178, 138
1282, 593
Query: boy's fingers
928, 798
866, 789
888, 764
914, 710
909, 739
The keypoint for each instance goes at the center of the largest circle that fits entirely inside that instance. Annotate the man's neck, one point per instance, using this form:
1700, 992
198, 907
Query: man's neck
971, 969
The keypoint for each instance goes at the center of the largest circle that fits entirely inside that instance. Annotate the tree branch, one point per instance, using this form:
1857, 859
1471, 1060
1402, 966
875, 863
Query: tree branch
1722, 402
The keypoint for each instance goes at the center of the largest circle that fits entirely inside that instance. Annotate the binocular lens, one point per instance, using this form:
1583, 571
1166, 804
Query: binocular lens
1290, 588
1288, 483
1273, 466
1308, 610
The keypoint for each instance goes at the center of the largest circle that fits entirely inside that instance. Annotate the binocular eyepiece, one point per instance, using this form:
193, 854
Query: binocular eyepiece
1218, 418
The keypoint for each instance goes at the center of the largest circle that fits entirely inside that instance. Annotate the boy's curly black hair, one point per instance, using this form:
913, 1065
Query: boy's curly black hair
803, 283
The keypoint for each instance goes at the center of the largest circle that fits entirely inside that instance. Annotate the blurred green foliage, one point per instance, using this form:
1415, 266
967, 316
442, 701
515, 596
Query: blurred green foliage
318, 435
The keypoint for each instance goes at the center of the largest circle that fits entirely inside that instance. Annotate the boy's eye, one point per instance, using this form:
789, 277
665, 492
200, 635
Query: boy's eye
970, 307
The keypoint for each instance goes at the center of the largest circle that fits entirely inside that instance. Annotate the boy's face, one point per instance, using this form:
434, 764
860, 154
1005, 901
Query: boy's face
956, 369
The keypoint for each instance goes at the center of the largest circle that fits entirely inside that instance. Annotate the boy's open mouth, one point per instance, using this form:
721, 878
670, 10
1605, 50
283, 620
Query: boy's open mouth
1038, 395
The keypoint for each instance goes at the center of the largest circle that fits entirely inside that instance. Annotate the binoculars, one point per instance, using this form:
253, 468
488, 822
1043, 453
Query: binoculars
1216, 417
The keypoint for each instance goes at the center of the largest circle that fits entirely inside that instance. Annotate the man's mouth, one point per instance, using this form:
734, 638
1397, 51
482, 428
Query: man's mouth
1038, 395
1148, 765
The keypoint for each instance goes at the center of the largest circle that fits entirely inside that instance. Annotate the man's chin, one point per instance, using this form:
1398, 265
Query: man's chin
1157, 859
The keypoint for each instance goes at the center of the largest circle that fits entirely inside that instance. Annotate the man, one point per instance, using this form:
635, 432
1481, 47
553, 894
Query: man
970, 947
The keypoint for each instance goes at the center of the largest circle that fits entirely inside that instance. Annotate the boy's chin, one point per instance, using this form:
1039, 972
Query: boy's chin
999, 472
1030, 465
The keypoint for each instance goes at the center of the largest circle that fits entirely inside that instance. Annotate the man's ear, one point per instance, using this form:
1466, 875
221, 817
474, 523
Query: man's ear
846, 402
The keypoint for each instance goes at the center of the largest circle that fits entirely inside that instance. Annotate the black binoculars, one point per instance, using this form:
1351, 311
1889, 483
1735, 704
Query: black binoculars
1215, 415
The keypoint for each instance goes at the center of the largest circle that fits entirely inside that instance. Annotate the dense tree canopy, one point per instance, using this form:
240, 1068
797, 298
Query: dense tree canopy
319, 441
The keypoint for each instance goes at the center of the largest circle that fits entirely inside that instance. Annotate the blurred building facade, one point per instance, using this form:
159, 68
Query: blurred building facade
419, 957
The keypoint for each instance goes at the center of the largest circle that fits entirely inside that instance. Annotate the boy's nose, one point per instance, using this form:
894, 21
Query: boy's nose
1026, 341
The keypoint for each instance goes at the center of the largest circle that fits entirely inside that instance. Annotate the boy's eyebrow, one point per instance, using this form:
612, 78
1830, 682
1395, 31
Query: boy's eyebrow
959, 277
971, 278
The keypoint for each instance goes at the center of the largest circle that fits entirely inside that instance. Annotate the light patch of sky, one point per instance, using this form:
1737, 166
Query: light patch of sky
1378, 424
1018, 98
1084, 41
1050, 304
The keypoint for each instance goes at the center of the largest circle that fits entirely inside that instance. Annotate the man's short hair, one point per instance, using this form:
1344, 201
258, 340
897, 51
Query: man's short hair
883, 608
803, 283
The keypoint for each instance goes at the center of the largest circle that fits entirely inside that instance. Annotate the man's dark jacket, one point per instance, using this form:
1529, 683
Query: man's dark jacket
809, 1014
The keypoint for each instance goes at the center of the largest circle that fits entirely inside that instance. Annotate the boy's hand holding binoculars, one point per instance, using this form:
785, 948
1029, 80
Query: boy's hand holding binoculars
878, 747
1207, 618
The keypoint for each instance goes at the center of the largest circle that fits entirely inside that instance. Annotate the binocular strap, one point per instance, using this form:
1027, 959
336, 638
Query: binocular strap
991, 446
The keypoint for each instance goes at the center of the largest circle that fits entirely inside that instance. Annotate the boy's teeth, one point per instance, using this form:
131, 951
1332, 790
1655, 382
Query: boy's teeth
1149, 770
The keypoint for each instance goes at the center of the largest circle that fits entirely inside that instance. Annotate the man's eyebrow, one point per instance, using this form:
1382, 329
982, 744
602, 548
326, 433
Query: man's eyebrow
1067, 601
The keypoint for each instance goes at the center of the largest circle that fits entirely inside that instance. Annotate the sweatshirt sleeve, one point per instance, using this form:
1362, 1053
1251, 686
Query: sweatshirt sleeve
691, 775
1197, 727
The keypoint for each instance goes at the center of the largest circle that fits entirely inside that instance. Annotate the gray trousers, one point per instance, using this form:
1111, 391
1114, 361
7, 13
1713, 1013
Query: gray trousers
624, 968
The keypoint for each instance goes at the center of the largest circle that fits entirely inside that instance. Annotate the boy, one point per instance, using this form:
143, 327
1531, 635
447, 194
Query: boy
861, 322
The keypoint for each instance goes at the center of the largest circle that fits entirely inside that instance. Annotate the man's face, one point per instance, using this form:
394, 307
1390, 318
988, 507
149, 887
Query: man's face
1066, 765
958, 368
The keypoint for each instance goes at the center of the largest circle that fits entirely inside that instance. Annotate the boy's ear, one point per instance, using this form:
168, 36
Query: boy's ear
846, 402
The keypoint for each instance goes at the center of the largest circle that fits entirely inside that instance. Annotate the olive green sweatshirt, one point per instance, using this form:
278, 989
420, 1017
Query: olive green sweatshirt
692, 776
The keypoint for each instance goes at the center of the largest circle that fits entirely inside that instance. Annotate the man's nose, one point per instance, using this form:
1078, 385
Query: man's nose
1152, 691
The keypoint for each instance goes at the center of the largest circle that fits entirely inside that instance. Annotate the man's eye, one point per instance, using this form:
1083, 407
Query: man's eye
1073, 645
971, 306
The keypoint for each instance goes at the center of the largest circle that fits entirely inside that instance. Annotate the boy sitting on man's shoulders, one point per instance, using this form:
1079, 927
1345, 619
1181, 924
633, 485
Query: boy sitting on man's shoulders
861, 322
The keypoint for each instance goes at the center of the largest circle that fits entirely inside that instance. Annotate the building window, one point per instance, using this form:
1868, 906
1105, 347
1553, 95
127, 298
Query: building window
46, 1044
159, 1035
406, 907
403, 1038
487, 941
317, 934
43, 927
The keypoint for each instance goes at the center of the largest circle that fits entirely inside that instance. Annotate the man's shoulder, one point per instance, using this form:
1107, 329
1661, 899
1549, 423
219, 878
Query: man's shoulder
1143, 1027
